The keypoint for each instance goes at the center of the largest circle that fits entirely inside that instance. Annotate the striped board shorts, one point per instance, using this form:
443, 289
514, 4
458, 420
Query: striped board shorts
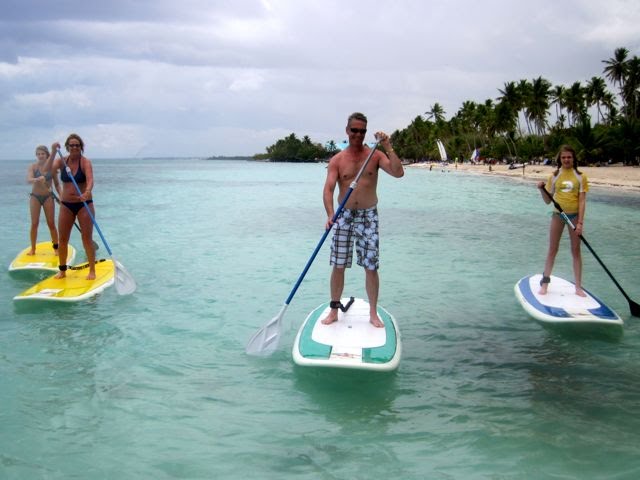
361, 227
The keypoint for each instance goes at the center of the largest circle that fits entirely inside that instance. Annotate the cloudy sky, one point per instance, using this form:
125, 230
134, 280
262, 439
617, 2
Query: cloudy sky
148, 78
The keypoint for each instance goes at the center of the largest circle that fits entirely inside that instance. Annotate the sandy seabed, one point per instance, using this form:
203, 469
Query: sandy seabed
613, 177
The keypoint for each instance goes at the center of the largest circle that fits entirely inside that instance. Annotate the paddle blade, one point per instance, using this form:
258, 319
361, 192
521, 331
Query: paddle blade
265, 341
125, 284
635, 308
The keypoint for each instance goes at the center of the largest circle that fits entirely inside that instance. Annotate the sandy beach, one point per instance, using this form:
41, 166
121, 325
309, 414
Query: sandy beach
611, 177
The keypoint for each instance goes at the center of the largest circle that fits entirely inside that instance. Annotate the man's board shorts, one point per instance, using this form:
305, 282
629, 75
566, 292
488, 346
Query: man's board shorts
360, 226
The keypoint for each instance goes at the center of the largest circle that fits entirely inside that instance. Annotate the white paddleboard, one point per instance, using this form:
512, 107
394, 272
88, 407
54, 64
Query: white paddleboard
561, 305
351, 342
45, 258
74, 287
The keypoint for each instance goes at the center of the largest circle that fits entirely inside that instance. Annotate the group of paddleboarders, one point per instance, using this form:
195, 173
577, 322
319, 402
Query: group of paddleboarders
73, 194
357, 223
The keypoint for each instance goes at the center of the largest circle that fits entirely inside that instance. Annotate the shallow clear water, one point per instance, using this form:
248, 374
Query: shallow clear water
157, 384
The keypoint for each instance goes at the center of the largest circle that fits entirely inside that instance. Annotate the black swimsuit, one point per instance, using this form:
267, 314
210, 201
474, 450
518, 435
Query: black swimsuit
75, 207
79, 177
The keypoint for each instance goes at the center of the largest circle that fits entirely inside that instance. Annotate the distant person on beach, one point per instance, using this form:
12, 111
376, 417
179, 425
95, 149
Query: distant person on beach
359, 218
569, 188
41, 197
73, 205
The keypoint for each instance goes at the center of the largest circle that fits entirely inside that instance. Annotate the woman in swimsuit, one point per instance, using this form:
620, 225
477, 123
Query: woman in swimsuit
41, 197
569, 188
73, 205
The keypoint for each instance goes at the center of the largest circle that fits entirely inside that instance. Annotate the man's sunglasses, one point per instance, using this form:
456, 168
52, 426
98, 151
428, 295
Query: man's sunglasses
358, 130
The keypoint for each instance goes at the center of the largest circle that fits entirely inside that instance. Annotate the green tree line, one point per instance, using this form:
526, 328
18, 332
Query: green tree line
292, 149
601, 125
516, 126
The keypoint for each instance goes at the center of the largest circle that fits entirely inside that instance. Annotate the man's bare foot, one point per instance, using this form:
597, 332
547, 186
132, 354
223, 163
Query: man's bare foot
32, 252
91, 276
580, 292
60, 275
376, 322
332, 317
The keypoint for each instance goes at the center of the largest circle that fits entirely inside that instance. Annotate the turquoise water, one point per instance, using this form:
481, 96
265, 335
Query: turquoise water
157, 384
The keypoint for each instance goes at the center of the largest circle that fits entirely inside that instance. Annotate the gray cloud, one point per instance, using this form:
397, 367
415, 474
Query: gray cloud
199, 78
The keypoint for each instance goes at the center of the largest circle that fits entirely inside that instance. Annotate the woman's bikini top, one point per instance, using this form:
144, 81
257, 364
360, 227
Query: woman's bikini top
37, 173
79, 176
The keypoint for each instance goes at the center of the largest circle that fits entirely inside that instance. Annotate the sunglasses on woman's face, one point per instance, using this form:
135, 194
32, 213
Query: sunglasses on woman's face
358, 130
74, 145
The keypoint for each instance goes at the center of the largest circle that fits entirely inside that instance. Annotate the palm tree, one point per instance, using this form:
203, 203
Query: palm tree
594, 94
331, 146
436, 113
631, 88
557, 98
505, 124
616, 67
590, 143
512, 101
538, 104
574, 103
609, 102
485, 116
526, 91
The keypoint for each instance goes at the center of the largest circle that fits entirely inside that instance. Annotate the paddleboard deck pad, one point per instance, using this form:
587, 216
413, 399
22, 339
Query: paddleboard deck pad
45, 258
74, 287
351, 342
561, 305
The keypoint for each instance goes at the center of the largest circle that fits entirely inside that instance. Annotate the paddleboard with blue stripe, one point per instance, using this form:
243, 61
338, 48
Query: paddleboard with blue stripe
561, 305
351, 342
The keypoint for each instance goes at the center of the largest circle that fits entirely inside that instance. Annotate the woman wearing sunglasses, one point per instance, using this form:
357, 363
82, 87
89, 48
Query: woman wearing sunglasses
72, 204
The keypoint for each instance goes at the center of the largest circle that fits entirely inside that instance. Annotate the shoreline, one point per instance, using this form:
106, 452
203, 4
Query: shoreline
613, 177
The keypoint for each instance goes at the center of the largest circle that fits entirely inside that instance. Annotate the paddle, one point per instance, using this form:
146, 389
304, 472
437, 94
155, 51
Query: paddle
75, 224
265, 341
633, 306
125, 284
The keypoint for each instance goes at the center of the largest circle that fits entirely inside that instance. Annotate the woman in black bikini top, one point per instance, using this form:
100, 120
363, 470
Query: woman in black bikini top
41, 179
73, 203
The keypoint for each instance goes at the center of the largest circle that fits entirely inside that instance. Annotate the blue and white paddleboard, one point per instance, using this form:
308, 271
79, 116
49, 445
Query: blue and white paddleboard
561, 305
351, 342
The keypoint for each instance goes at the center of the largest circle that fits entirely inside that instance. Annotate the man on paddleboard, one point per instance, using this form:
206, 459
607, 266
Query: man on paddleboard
359, 219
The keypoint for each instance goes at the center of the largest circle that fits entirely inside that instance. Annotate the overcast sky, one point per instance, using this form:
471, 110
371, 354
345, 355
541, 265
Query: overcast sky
148, 78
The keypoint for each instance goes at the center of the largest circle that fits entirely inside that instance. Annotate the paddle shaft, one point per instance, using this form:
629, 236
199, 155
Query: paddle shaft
633, 306
86, 205
352, 187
